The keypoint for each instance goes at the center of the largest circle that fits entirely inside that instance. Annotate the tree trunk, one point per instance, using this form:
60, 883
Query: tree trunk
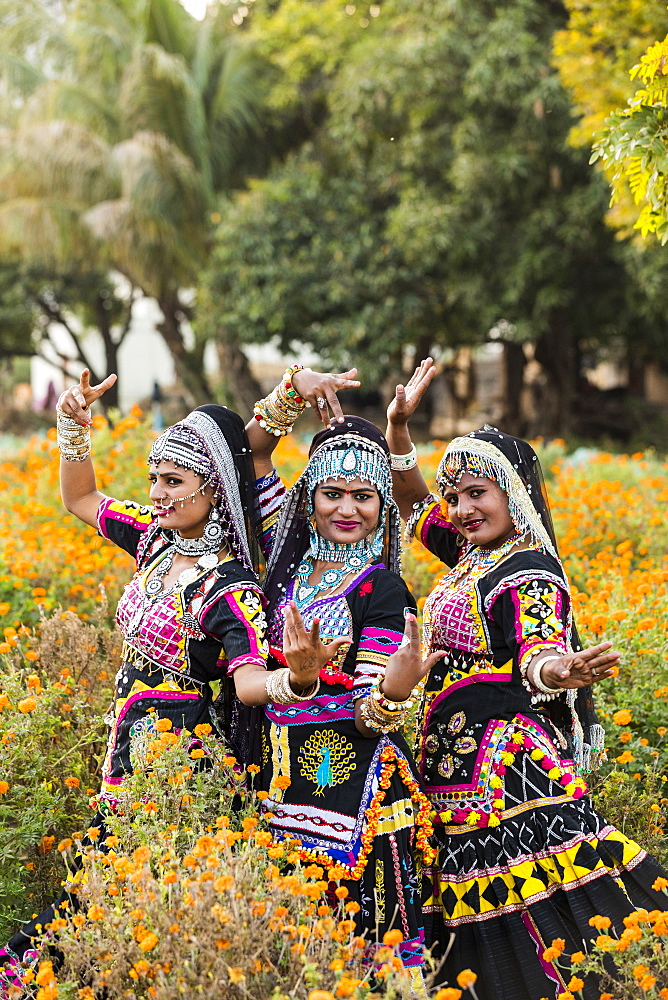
189, 364
241, 388
556, 353
637, 373
513, 419
110, 398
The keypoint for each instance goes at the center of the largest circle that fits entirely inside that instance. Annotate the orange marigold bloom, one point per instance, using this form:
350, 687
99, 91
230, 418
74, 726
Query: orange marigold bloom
449, 993
148, 942
577, 956
95, 912
4, 787
320, 995
64, 845
26, 704
622, 717
72, 782
141, 854
163, 725
660, 883
576, 984
599, 922
466, 978
282, 782
203, 729
393, 937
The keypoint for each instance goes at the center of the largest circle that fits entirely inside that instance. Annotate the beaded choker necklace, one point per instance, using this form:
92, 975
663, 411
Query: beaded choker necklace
478, 561
354, 557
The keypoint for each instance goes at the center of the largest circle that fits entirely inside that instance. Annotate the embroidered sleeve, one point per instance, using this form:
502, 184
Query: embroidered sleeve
385, 600
534, 616
270, 493
430, 526
124, 522
238, 619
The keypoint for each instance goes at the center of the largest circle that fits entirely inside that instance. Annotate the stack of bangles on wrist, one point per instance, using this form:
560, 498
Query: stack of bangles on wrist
540, 691
383, 715
73, 439
418, 510
278, 411
280, 690
401, 463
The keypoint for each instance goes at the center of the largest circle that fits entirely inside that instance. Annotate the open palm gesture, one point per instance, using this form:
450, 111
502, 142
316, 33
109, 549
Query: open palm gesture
407, 397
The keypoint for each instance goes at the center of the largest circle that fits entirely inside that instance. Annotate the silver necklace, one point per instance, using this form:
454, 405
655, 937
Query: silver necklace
155, 587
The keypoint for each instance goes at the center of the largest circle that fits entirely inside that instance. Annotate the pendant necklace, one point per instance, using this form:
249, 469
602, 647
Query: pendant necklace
155, 587
353, 559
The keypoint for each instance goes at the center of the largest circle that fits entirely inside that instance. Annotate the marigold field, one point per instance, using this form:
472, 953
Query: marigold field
191, 895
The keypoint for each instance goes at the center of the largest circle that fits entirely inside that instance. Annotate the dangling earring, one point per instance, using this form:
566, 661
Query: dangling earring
213, 529
459, 541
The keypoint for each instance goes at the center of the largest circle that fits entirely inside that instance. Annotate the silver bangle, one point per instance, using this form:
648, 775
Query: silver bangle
418, 510
401, 463
73, 439
280, 691
535, 678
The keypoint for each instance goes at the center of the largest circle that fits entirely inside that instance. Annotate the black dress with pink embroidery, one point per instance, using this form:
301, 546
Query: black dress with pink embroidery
174, 647
522, 855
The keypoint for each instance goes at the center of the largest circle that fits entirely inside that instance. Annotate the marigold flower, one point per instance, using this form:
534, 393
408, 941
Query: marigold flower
148, 942
4, 787
466, 978
197, 753
282, 782
449, 993
141, 854
575, 984
236, 974
622, 717
45, 844
660, 883
95, 912
163, 725
320, 995
72, 782
64, 845
26, 704
392, 938
599, 922
203, 729
577, 957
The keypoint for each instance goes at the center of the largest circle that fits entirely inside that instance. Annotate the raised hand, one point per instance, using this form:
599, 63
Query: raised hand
574, 670
305, 652
407, 398
76, 400
405, 667
320, 390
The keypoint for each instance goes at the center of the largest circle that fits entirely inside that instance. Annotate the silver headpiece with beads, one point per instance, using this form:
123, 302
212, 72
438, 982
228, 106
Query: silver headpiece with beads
197, 443
480, 458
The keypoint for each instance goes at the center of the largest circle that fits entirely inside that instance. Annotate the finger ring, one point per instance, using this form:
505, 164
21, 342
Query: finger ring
322, 402
594, 671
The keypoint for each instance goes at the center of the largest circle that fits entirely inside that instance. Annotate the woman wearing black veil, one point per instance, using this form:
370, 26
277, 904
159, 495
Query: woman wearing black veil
508, 725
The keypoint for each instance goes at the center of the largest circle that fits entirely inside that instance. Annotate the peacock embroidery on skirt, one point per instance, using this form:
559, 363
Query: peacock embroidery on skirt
327, 759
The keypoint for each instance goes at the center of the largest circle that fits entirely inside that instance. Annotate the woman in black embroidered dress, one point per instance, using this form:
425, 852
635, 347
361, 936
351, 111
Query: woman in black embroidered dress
508, 726
338, 779
192, 613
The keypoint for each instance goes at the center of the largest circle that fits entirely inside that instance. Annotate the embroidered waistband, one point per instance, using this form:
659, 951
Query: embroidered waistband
143, 662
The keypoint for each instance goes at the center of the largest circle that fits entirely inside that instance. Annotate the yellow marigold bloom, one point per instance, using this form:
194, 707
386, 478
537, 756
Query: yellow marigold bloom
93, 832
26, 704
253, 769
203, 729
141, 855
622, 717
223, 883
236, 974
197, 753
604, 942
466, 978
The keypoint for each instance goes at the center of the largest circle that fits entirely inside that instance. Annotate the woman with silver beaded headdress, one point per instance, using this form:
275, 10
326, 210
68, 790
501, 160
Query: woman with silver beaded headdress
508, 727
339, 774
193, 612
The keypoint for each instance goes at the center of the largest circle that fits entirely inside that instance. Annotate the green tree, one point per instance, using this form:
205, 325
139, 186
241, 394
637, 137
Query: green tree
434, 200
132, 116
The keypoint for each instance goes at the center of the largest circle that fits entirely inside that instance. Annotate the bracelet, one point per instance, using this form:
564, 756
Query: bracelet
277, 412
378, 721
280, 691
533, 675
73, 439
400, 463
418, 510
386, 704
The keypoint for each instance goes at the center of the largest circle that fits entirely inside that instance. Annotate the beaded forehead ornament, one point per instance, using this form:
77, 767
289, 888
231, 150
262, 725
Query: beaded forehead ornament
349, 457
481, 458
197, 443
